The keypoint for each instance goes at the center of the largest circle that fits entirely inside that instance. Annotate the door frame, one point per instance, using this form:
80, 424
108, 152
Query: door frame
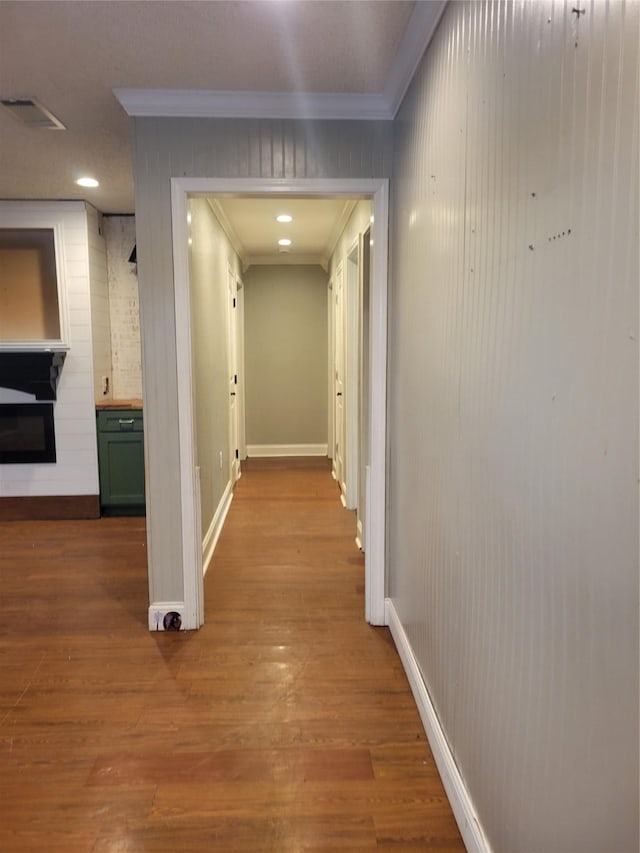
352, 274
337, 357
377, 190
233, 365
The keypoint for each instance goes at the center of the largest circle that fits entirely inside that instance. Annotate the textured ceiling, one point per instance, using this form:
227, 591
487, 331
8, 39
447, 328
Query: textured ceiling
71, 55
251, 224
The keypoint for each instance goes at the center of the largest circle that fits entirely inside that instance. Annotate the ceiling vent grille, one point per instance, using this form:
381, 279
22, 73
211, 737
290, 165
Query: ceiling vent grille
32, 114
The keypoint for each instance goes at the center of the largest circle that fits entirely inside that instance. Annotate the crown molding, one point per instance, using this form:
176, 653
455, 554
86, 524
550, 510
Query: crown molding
340, 225
188, 103
419, 31
201, 103
285, 259
227, 227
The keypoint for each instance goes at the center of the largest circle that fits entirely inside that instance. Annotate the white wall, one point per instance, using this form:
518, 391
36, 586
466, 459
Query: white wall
100, 319
76, 469
126, 357
286, 355
514, 412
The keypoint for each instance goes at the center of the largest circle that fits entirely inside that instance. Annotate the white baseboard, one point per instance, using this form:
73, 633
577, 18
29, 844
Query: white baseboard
159, 620
215, 528
254, 450
459, 797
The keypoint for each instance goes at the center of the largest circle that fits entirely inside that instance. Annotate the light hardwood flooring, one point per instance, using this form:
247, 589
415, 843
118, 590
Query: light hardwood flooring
285, 724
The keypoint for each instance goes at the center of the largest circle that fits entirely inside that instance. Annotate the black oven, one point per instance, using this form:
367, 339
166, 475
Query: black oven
27, 433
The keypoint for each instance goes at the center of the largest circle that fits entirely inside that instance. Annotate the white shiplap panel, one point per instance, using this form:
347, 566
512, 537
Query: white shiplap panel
514, 412
74, 413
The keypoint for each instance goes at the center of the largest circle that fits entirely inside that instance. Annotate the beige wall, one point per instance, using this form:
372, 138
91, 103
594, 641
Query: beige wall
514, 412
210, 258
286, 355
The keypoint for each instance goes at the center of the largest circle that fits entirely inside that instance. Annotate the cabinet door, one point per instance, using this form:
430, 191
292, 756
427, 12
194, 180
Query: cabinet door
121, 459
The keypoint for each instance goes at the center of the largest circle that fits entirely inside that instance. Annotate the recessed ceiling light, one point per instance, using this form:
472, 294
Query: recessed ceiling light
284, 242
87, 182
284, 217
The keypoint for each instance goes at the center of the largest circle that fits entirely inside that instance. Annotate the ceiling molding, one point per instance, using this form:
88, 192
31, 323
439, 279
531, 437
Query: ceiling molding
188, 103
201, 103
340, 225
227, 227
285, 259
419, 31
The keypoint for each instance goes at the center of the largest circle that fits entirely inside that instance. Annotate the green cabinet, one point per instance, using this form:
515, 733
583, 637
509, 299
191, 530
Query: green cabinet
121, 461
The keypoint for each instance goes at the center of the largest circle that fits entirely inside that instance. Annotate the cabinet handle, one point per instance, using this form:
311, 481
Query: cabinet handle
125, 422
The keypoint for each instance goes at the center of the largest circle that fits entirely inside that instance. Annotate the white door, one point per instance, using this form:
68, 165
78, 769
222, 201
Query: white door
234, 436
338, 459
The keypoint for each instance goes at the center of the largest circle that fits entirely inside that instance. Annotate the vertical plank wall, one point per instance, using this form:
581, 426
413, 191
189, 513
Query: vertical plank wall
165, 148
514, 412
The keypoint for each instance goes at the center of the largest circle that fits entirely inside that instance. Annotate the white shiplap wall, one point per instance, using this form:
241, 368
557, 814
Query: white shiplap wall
514, 412
76, 469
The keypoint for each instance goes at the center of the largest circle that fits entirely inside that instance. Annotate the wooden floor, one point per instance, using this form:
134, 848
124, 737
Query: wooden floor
285, 724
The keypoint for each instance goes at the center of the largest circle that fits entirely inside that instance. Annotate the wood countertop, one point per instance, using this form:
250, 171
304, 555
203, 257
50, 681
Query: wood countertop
119, 404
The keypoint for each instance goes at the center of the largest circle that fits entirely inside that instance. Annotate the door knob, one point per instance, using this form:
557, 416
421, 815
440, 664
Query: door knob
339, 394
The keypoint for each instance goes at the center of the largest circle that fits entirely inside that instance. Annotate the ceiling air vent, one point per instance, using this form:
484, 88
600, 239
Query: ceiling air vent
29, 112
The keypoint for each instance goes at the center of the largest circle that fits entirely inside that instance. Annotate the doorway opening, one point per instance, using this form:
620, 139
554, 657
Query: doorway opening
374, 362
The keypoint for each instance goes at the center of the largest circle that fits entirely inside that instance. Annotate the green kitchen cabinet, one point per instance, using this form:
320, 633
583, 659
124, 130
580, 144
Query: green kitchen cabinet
121, 461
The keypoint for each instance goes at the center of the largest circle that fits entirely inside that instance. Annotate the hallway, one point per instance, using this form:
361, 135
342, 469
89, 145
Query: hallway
285, 724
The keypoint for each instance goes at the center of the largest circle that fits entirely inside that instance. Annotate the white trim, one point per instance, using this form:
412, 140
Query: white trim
227, 227
375, 539
159, 609
285, 259
189, 492
457, 792
200, 103
197, 103
340, 225
255, 450
376, 189
215, 528
419, 31
49, 216
351, 290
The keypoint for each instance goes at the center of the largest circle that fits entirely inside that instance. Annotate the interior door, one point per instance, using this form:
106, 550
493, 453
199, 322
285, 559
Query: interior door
339, 366
234, 436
